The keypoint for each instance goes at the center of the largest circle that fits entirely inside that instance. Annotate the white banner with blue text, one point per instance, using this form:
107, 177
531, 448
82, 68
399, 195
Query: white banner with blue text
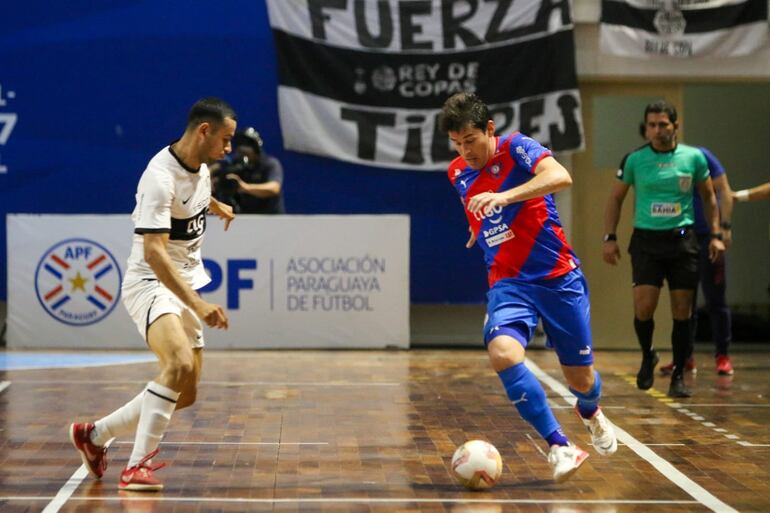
284, 281
683, 28
363, 81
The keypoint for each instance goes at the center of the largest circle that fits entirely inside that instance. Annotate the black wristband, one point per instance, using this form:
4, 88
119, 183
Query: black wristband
726, 225
717, 235
610, 236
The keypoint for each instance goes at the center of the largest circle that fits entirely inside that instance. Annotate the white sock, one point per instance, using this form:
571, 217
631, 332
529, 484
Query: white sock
120, 422
158, 403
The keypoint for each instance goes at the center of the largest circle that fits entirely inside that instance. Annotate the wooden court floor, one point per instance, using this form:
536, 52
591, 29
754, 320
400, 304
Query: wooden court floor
374, 431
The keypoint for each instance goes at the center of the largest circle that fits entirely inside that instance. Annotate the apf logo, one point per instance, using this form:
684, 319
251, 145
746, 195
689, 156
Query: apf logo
77, 282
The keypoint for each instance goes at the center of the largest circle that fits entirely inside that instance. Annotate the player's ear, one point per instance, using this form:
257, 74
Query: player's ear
642, 130
491, 127
204, 128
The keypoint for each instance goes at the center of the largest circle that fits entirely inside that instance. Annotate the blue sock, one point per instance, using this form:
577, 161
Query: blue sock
588, 403
557, 438
527, 395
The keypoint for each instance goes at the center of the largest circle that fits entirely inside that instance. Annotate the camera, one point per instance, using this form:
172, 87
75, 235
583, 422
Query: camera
244, 161
227, 189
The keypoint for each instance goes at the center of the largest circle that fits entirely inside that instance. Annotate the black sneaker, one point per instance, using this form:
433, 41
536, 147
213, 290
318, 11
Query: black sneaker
646, 375
677, 388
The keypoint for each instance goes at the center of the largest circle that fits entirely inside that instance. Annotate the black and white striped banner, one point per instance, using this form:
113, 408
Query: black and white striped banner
683, 28
363, 80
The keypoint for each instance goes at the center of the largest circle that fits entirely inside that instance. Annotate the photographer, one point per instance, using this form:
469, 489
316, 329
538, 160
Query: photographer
249, 180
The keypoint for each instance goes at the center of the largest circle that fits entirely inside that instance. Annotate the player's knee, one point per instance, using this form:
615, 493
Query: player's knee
504, 353
187, 398
583, 382
644, 311
181, 371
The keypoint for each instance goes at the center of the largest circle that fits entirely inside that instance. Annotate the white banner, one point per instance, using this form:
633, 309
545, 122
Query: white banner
364, 81
553, 118
683, 28
284, 281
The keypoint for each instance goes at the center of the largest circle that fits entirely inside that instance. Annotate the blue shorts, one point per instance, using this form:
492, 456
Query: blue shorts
514, 307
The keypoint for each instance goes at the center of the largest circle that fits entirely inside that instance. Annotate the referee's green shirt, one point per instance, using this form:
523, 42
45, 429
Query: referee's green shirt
663, 183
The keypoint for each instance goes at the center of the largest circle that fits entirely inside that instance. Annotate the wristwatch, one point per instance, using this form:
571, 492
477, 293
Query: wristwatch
717, 235
726, 225
610, 236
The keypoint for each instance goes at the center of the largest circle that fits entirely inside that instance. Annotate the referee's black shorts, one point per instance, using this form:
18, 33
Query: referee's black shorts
665, 254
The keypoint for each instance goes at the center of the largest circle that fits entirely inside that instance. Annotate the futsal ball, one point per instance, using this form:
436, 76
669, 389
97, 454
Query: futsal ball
477, 465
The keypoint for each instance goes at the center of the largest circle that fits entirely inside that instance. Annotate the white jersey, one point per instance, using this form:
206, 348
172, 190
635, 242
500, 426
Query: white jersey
171, 198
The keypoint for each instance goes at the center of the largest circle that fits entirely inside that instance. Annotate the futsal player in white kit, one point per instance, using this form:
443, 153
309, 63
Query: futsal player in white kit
159, 291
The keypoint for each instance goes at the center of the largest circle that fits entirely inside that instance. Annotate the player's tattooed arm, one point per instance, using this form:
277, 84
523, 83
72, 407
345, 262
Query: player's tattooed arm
222, 211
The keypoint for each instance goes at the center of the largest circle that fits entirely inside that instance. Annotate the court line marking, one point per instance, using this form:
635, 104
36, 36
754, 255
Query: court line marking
680, 407
129, 442
216, 383
131, 361
689, 486
567, 407
4, 385
349, 500
699, 418
66, 491
726, 405
749, 444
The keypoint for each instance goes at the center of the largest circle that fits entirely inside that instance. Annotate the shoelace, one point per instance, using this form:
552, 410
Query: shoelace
150, 468
143, 464
602, 422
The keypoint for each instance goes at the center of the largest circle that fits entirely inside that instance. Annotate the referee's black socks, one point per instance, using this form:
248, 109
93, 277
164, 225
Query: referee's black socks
644, 331
681, 345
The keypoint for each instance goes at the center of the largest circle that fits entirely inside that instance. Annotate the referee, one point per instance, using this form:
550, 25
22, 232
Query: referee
663, 244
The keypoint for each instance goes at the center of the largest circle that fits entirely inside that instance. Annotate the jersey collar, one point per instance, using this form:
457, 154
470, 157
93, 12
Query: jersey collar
181, 163
672, 150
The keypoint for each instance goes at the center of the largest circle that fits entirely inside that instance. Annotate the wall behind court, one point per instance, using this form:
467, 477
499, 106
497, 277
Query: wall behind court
98, 88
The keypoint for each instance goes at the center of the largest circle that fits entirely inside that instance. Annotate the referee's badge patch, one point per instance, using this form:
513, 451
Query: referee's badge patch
685, 183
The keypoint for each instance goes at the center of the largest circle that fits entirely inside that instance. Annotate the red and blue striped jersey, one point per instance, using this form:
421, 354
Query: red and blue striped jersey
524, 240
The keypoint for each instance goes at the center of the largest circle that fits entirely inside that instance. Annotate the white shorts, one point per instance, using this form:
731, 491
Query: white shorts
146, 300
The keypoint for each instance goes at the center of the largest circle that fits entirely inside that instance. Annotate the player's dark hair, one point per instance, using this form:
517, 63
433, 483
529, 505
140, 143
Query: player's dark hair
661, 106
461, 110
210, 109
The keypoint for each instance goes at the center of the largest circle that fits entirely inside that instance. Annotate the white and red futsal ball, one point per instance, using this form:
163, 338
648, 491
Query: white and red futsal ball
477, 465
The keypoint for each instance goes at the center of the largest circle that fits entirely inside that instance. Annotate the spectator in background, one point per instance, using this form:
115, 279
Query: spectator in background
249, 180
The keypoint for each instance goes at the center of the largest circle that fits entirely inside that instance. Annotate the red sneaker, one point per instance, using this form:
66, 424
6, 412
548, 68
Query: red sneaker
140, 478
690, 366
93, 456
724, 366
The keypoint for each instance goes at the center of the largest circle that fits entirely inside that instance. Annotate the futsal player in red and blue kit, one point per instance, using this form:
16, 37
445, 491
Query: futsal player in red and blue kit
506, 185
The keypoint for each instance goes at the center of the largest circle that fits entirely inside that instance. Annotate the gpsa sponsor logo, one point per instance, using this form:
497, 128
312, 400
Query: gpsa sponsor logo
77, 282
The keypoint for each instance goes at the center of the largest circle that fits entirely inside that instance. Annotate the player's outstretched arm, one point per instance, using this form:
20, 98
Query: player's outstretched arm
550, 177
759, 192
156, 256
222, 211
